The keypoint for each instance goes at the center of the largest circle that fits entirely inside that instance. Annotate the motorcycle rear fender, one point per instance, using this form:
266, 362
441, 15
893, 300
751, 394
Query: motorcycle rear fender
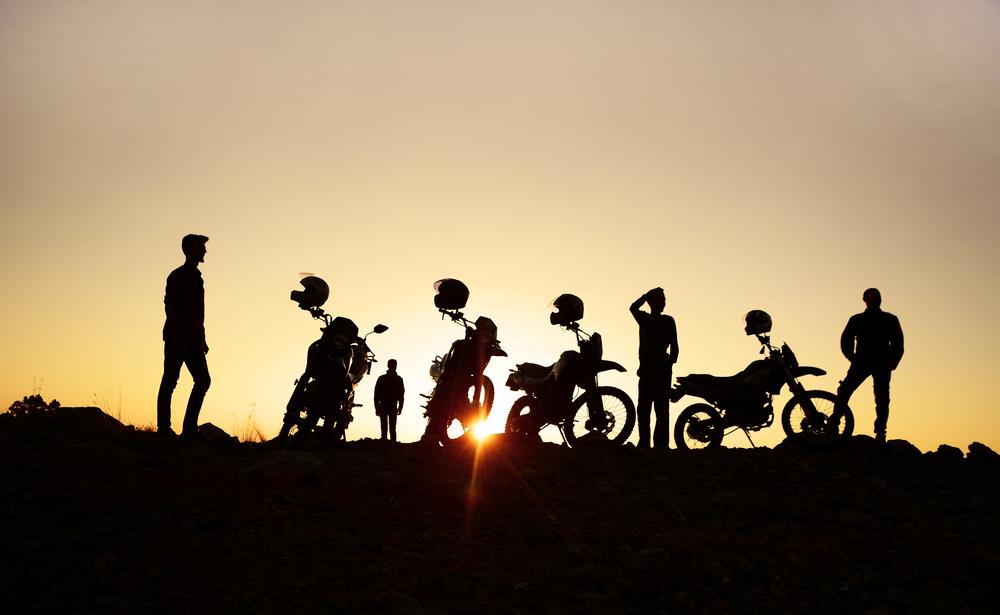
603, 366
805, 370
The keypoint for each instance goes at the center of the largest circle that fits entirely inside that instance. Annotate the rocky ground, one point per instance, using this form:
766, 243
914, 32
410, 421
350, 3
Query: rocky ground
98, 517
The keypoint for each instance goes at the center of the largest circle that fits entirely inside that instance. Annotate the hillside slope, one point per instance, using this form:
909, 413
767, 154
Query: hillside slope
95, 516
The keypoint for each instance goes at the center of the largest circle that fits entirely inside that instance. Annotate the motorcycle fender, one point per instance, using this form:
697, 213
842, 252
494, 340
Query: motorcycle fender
296, 402
604, 366
513, 381
805, 370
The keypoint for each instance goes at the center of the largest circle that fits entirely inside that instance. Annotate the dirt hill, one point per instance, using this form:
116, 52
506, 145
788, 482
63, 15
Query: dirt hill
97, 517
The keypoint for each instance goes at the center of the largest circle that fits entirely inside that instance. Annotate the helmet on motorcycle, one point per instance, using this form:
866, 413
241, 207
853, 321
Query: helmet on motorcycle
451, 294
486, 330
757, 322
569, 309
315, 294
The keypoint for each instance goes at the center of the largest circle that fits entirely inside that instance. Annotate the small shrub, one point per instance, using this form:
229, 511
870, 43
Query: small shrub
32, 405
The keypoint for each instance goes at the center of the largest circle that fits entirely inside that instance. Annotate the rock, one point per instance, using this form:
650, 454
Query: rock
902, 448
980, 452
214, 433
592, 439
87, 420
949, 452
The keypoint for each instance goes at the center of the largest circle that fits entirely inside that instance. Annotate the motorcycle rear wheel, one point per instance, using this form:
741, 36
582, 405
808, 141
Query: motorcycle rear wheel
619, 417
699, 426
795, 421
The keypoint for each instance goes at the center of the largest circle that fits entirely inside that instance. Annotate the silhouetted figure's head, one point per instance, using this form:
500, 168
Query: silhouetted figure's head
194, 248
872, 298
657, 300
391, 365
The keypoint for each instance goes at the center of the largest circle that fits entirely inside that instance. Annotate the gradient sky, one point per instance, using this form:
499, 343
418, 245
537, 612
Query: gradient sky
778, 155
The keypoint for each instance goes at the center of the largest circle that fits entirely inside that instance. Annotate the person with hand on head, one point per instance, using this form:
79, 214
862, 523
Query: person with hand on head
184, 338
658, 352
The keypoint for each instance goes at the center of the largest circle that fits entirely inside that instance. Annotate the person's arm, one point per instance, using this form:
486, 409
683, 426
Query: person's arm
174, 333
847, 340
402, 394
377, 396
675, 349
637, 313
896, 343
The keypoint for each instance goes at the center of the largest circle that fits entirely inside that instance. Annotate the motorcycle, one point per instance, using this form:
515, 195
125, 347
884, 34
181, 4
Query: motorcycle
335, 365
744, 401
462, 396
566, 393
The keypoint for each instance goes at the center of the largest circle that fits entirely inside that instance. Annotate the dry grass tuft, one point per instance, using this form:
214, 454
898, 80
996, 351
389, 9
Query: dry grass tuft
249, 431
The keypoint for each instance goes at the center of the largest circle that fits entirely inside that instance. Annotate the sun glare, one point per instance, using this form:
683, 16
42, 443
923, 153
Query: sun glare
482, 431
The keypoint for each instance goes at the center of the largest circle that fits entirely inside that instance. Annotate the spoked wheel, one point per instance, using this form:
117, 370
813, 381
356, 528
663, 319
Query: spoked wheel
817, 430
613, 416
300, 432
479, 412
699, 426
517, 418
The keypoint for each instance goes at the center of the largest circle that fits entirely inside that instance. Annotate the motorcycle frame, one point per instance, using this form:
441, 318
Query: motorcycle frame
459, 318
798, 391
796, 388
347, 404
589, 386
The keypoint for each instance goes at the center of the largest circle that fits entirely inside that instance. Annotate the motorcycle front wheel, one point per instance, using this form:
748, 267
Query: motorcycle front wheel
457, 429
615, 420
298, 432
797, 424
699, 426
517, 417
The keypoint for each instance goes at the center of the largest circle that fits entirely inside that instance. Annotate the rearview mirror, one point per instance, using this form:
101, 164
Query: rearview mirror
380, 329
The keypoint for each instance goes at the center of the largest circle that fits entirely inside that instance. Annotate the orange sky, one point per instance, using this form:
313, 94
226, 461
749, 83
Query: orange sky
783, 156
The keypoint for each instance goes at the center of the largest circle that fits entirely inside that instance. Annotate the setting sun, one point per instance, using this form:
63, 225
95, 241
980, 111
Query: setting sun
482, 431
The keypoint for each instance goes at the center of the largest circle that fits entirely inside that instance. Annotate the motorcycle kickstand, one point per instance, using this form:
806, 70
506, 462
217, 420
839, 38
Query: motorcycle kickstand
747, 434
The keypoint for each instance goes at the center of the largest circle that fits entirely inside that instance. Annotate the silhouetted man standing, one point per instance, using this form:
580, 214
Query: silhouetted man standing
184, 338
873, 343
389, 399
658, 352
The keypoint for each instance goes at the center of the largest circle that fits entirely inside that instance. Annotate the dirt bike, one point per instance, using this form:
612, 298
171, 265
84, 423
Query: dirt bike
335, 365
462, 396
566, 393
744, 401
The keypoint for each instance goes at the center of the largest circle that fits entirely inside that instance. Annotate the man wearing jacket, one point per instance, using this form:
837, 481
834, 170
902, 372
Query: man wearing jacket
184, 338
389, 391
873, 342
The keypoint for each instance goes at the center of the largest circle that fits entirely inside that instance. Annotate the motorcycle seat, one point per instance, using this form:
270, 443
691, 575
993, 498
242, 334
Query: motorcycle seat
528, 375
724, 390
534, 370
